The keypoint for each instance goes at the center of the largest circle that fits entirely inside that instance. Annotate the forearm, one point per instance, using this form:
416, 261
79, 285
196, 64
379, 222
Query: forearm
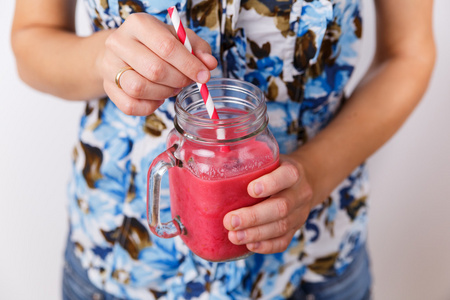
59, 62
374, 112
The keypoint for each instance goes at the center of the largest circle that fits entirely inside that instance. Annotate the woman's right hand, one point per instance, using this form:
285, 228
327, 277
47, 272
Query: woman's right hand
161, 65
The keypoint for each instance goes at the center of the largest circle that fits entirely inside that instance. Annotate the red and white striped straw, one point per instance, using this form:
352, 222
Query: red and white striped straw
176, 21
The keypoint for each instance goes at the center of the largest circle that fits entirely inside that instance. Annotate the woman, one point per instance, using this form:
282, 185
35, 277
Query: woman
310, 234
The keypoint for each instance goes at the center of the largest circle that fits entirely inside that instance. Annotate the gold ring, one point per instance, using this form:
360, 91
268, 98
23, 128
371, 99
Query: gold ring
119, 74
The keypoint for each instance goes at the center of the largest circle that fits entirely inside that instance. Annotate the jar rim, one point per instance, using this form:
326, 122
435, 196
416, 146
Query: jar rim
221, 83
190, 110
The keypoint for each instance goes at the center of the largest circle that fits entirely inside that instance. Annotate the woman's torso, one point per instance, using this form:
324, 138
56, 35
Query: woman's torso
301, 54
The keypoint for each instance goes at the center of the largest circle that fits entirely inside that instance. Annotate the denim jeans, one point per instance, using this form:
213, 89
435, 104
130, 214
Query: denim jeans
76, 284
353, 284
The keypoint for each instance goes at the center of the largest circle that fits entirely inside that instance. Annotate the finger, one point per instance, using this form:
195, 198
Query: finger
202, 50
167, 46
265, 232
274, 182
267, 211
136, 86
145, 62
133, 84
206, 58
129, 105
275, 245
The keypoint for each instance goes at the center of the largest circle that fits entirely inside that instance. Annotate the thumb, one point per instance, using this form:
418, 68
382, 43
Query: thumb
202, 50
206, 58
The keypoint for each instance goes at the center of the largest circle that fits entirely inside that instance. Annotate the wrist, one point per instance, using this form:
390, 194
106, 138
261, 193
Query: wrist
99, 59
313, 170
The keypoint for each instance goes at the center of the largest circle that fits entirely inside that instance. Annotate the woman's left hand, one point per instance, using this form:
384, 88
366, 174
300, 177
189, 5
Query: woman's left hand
269, 226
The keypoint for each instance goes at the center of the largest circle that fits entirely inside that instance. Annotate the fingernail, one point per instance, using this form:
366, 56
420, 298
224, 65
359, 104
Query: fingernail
202, 76
255, 246
176, 92
202, 52
207, 54
240, 235
235, 221
258, 188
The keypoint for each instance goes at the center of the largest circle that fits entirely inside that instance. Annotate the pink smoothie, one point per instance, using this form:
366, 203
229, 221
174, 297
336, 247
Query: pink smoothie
202, 200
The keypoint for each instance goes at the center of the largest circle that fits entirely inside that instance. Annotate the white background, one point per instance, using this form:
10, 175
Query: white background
409, 235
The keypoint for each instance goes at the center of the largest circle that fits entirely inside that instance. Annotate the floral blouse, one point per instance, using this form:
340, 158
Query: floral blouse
301, 53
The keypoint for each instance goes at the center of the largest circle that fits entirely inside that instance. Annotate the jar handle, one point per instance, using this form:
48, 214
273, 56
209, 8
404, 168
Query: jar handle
159, 166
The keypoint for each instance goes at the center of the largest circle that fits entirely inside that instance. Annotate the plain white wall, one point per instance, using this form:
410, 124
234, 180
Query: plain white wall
409, 235
409, 231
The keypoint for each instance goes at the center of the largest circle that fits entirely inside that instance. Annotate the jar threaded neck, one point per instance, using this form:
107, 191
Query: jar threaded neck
241, 107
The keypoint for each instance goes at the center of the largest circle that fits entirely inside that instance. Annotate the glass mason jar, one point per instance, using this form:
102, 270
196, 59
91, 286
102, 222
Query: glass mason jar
210, 164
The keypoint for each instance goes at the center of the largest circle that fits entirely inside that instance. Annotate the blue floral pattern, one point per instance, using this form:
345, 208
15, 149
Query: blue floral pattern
301, 54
